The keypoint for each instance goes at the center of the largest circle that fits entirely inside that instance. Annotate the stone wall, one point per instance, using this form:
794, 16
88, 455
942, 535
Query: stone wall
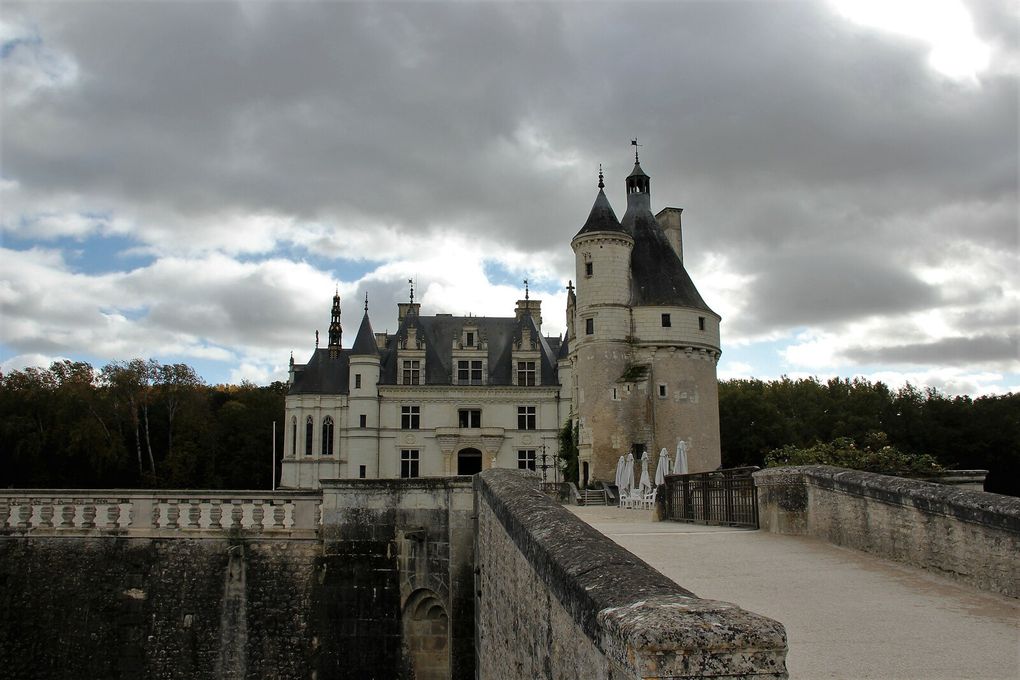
364, 579
557, 599
971, 536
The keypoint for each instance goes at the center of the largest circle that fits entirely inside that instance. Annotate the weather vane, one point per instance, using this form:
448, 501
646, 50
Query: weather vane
411, 282
634, 143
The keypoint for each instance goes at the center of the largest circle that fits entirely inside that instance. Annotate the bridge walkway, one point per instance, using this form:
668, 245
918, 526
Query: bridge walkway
847, 614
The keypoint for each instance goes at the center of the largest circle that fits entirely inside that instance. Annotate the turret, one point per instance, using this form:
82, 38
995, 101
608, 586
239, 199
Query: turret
602, 250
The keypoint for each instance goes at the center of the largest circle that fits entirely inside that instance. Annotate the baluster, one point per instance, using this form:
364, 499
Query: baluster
247, 515
205, 514
5, 514
288, 515
36, 520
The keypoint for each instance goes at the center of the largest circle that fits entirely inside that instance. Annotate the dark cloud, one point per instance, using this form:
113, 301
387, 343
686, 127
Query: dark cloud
825, 161
965, 351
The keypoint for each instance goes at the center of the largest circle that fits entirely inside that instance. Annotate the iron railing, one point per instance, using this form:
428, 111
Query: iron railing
724, 497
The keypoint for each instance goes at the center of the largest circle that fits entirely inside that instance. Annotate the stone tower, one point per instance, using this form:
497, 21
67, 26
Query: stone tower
644, 345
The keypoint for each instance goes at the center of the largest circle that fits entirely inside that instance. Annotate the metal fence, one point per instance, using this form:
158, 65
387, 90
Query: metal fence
725, 497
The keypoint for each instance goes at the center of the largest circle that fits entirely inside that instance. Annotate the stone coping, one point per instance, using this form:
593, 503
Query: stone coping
399, 483
617, 599
979, 507
161, 493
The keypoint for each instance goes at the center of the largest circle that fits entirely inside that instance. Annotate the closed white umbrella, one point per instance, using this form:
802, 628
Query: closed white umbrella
646, 482
620, 464
628, 473
662, 469
680, 465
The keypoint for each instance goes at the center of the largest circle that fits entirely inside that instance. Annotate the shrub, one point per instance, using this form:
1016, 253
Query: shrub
875, 456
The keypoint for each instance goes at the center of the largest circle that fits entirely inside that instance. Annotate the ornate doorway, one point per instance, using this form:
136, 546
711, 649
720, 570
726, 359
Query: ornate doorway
469, 462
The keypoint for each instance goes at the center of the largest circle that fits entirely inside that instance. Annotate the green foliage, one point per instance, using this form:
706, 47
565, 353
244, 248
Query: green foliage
568, 451
757, 417
135, 424
875, 456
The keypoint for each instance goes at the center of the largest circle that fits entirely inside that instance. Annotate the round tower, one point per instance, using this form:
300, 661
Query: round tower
599, 335
363, 403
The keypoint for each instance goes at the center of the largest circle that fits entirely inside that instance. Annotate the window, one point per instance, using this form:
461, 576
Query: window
362, 472
412, 372
469, 372
666, 323
327, 436
526, 373
526, 418
662, 389
357, 381
701, 323
308, 436
588, 269
293, 436
616, 395
589, 326
363, 421
410, 417
526, 459
470, 338
470, 417
409, 463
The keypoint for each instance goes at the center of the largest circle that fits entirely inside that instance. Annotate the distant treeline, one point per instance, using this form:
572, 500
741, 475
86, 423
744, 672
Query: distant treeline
145, 424
135, 424
758, 417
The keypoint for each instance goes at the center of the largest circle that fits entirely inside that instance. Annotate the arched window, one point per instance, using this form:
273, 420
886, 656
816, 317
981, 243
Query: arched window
327, 436
308, 436
293, 436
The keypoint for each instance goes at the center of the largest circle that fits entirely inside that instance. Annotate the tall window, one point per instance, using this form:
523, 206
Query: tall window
588, 269
469, 372
327, 436
363, 421
308, 436
589, 326
357, 381
412, 372
470, 417
526, 459
293, 436
410, 417
526, 373
526, 418
470, 337
666, 321
409, 463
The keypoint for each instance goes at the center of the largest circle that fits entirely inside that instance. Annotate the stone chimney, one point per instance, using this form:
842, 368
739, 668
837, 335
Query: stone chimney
532, 306
669, 220
405, 308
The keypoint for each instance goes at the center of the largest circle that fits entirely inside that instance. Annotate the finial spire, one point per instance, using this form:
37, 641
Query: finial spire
366, 302
526, 290
411, 281
316, 339
602, 185
634, 143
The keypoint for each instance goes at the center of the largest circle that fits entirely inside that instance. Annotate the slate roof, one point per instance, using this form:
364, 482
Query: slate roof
323, 375
364, 343
499, 333
601, 217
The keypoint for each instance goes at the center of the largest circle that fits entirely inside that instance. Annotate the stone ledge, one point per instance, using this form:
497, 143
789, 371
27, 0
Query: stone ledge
977, 507
640, 619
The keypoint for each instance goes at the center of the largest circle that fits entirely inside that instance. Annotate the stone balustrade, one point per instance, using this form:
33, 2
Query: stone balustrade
134, 513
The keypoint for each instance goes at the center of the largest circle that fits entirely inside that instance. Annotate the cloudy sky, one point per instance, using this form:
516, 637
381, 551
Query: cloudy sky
189, 181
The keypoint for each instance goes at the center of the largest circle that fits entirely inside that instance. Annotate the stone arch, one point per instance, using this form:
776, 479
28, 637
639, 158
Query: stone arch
426, 629
469, 461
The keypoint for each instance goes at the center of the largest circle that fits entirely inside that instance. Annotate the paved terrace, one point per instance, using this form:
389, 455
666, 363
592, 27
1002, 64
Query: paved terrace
847, 614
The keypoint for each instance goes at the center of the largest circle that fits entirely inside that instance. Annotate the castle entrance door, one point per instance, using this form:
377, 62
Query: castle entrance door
469, 462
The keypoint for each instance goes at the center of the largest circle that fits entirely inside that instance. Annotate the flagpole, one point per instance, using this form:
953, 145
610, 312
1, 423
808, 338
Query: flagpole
274, 455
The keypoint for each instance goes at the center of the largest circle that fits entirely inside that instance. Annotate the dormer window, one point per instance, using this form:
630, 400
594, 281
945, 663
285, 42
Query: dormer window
469, 372
411, 372
469, 339
526, 373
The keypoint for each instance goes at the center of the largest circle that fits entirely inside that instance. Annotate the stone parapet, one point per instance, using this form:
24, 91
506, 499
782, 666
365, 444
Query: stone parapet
971, 536
147, 514
557, 599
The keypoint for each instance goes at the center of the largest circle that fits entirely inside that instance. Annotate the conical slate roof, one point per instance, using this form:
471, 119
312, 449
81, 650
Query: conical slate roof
601, 217
657, 275
364, 343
